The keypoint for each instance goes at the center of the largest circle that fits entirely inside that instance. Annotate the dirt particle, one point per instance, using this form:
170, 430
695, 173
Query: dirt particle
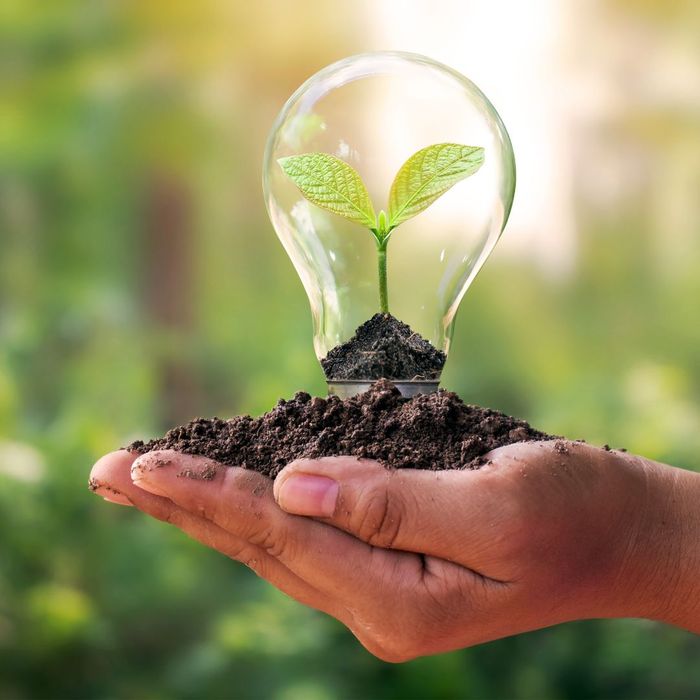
208, 473
561, 447
94, 485
519, 434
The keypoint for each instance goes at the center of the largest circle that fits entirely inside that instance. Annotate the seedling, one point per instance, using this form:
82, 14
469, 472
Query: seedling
332, 184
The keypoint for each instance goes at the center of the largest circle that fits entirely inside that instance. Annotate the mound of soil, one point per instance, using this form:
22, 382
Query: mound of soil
384, 348
429, 431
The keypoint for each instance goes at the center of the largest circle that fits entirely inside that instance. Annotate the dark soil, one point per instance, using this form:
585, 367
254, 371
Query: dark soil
384, 347
429, 431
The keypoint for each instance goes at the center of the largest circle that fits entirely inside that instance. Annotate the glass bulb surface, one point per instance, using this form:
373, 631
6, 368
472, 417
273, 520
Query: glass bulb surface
374, 111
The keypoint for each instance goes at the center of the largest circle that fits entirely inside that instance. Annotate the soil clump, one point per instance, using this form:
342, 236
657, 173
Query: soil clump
430, 431
384, 347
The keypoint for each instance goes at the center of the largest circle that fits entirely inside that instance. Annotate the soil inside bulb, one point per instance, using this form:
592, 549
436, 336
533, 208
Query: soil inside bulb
384, 348
430, 431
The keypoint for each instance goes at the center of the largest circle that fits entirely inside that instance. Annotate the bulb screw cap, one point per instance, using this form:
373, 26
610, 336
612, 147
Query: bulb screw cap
345, 388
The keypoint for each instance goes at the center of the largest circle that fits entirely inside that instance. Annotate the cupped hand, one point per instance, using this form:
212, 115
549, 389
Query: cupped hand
418, 562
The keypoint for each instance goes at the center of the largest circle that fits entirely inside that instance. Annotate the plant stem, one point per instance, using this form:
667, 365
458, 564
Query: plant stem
381, 266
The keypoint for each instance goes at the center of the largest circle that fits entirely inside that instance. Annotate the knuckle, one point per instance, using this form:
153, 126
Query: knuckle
380, 517
255, 562
174, 517
248, 555
274, 542
238, 551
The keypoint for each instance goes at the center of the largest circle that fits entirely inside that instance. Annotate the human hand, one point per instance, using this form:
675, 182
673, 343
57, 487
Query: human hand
418, 562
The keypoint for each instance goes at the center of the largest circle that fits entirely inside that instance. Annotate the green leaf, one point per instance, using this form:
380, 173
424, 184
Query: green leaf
331, 184
427, 175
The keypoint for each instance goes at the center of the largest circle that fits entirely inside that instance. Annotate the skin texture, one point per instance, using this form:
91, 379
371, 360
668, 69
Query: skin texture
417, 563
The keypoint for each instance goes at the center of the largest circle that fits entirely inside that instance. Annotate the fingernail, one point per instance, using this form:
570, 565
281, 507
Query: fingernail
306, 494
109, 494
118, 499
142, 480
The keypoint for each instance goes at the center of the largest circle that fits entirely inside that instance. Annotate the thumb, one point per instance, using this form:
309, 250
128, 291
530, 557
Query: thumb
408, 509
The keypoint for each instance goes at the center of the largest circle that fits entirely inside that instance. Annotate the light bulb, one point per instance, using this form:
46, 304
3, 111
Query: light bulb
372, 112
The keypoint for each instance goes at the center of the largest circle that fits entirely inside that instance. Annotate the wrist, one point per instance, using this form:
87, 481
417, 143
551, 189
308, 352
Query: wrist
666, 577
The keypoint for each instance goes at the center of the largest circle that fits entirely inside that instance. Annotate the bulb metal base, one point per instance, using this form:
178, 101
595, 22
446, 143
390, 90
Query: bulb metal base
345, 388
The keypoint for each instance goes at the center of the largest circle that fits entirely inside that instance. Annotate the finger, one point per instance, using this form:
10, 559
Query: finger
384, 592
241, 502
112, 474
441, 513
108, 492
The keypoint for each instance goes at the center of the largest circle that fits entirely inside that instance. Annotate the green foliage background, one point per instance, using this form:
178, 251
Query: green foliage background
141, 284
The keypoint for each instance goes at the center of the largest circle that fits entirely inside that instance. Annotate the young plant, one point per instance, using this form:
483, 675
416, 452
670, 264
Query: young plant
332, 184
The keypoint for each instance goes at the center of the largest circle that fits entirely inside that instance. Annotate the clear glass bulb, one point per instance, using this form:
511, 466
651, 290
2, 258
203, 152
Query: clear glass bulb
374, 111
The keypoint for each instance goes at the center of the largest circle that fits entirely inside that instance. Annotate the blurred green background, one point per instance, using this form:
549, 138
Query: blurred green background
141, 284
